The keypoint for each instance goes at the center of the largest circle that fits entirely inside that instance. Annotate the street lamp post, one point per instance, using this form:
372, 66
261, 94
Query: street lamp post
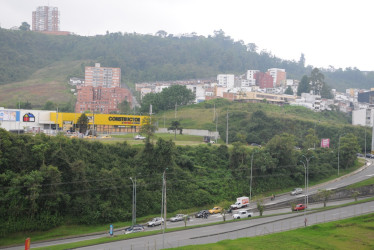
305, 186
338, 154
250, 186
133, 200
163, 206
307, 178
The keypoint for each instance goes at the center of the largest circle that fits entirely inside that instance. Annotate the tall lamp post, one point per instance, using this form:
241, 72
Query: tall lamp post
133, 200
250, 185
307, 177
339, 154
163, 206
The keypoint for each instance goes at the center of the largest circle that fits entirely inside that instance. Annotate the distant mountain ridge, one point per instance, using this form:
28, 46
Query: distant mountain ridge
153, 58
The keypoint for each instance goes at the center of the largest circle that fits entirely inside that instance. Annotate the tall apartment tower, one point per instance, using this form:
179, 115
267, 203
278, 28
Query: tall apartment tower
102, 77
46, 18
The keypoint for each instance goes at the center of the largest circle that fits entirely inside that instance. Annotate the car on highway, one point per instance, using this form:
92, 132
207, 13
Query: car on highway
155, 222
201, 213
139, 137
371, 156
178, 217
215, 210
134, 229
299, 207
242, 214
296, 191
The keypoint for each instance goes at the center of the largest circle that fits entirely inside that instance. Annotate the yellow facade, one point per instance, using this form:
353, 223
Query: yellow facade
104, 121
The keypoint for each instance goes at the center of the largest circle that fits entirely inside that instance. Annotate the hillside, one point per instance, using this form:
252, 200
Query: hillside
144, 58
260, 122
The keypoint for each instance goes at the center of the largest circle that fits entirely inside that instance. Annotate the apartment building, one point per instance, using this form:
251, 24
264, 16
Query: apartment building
101, 99
46, 18
102, 77
264, 80
279, 76
226, 80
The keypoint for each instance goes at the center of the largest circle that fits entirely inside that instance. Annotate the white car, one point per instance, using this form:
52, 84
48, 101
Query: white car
178, 217
242, 214
297, 191
139, 137
155, 222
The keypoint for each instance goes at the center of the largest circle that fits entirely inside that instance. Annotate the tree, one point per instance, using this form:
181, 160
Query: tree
317, 81
326, 92
49, 106
82, 123
304, 86
348, 150
25, 105
324, 195
302, 60
161, 33
125, 107
175, 125
281, 147
289, 91
310, 139
147, 129
260, 206
24, 26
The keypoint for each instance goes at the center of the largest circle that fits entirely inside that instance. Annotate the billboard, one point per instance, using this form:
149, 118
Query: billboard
325, 143
9, 115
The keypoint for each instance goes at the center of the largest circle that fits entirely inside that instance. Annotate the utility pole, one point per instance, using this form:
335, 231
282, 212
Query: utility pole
216, 129
163, 207
214, 112
175, 112
227, 127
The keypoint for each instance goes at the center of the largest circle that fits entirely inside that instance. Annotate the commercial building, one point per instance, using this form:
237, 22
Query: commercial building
46, 18
49, 122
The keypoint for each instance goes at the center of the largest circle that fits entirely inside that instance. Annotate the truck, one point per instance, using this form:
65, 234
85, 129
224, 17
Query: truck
240, 202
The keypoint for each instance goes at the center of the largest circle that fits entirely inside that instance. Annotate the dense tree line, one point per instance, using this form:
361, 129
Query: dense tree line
47, 181
154, 58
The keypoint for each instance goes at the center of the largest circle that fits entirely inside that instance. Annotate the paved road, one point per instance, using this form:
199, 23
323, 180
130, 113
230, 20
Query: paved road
239, 229
364, 173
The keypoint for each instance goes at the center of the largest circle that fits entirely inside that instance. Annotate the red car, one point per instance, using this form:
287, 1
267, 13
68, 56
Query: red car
299, 207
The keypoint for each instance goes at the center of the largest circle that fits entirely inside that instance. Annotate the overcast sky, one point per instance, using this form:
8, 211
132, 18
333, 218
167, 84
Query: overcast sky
328, 32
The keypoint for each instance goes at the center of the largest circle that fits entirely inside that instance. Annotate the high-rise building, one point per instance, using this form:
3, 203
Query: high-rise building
46, 18
102, 77
279, 76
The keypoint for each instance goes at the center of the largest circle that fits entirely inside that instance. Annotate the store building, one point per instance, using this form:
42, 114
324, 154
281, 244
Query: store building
50, 122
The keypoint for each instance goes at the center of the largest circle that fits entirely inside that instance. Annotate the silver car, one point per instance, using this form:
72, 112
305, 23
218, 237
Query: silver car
297, 191
178, 217
155, 222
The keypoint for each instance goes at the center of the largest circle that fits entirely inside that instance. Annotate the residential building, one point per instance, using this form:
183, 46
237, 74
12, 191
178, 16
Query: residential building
46, 18
366, 97
363, 117
102, 77
264, 80
226, 80
279, 76
101, 99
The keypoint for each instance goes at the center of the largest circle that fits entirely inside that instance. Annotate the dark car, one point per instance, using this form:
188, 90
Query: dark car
371, 156
134, 229
201, 214
359, 155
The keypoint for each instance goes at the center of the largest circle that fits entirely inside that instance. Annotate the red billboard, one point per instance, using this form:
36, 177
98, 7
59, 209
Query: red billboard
325, 143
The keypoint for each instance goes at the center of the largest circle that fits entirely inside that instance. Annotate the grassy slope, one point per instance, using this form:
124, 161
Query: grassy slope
201, 117
353, 233
47, 84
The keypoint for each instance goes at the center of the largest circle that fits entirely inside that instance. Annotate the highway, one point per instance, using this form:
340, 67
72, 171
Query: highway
275, 223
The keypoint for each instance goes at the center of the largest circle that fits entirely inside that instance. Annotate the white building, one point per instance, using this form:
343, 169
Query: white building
363, 117
278, 75
21, 120
226, 80
198, 90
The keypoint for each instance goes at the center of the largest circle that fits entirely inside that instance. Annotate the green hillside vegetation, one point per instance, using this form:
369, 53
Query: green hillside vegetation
149, 58
353, 233
47, 84
260, 122
49, 181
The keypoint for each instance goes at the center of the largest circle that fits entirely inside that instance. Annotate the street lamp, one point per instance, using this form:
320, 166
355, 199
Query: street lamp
163, 206
307, 177
133, 200
339, 154
250, 186
305, 187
